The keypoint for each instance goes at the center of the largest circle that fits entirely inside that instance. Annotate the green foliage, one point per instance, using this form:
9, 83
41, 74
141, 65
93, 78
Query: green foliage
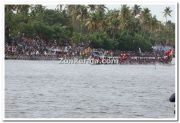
101, 40
76, 37
108, 29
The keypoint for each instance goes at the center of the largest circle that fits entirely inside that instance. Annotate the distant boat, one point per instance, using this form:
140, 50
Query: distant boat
168, 57
97, 54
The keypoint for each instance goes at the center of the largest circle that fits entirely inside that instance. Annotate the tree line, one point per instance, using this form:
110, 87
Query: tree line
127, 28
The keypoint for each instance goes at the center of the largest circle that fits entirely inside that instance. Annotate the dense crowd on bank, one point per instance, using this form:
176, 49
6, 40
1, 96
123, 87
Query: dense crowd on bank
41, 48
26, 48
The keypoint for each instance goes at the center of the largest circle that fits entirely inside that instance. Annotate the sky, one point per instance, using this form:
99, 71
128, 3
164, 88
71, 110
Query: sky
156, 9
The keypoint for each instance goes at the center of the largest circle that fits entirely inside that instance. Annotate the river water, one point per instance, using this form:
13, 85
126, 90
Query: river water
47, 89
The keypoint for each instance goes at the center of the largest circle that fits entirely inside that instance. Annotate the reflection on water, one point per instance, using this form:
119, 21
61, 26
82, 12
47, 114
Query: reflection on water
46, 89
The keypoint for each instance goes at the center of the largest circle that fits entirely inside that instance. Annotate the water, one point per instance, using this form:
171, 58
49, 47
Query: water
47, 89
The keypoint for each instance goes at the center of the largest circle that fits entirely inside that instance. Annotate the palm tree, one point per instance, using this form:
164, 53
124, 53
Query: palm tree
92, 8
92, 22
145, 18
154, 23
125, 14
101, 8
113, 22
96, 20
153, 27
82, 15
72, 12
59, 7
136, 9
167, 12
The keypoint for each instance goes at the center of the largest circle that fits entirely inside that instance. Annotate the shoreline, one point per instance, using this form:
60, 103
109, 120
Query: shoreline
31, 58
140, 61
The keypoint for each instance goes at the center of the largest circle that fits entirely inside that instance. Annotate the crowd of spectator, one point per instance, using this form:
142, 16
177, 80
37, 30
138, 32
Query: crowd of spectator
39, 47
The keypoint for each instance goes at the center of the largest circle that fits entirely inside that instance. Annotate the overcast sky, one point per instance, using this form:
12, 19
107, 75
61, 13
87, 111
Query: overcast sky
155, 10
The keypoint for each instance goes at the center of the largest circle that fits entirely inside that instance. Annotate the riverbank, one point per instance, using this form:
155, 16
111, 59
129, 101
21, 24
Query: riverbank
25, 57
91, 60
